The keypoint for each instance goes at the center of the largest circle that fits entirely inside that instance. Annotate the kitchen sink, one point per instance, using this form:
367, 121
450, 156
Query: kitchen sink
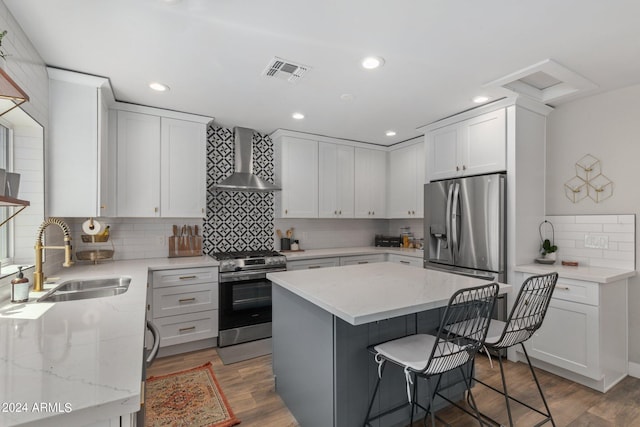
72, 290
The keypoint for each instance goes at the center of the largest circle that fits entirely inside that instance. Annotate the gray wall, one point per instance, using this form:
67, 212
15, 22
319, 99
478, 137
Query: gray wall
607, 126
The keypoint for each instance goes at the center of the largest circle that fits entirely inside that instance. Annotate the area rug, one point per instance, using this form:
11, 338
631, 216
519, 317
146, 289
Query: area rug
187, 398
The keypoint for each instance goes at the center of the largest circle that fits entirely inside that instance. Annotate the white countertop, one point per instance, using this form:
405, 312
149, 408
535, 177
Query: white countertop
361, 250
590, 274
365, 293
84, 356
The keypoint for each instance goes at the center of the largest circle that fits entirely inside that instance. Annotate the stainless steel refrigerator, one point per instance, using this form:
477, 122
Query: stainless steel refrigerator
464, 226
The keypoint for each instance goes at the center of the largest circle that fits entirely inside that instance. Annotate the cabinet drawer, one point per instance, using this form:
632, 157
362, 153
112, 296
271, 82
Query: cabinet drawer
313, 263
173, 300
576, 291
405, 260
187, 327
361, 259
184, 276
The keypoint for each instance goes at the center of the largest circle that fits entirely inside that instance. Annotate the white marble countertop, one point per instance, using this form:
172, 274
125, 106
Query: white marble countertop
365, 293
361, 250
82, 359
586, 273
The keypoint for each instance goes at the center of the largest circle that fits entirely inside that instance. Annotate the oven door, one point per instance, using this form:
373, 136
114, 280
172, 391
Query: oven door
245, 299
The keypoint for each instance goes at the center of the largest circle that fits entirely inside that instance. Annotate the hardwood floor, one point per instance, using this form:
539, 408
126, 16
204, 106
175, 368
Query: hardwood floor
250, 390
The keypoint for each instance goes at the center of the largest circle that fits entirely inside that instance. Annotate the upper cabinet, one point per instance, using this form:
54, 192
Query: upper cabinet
80, 160
470, 147
161, 166
336, 180
370, 183
406, 182
296, 170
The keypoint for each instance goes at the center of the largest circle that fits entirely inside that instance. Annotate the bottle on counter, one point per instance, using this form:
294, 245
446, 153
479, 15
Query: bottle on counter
20, 288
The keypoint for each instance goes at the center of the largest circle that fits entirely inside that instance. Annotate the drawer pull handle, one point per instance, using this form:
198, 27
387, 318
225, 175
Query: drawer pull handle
190, 328
564, 288
363, 262
181, 300
404, 262
314, 266
187, 277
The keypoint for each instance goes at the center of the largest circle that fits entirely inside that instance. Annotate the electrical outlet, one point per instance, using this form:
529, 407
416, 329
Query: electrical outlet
594, 241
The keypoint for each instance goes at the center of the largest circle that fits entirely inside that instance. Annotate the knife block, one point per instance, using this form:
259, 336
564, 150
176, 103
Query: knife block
180, 246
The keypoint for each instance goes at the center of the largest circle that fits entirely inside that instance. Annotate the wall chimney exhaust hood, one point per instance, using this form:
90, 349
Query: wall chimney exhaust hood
243, 178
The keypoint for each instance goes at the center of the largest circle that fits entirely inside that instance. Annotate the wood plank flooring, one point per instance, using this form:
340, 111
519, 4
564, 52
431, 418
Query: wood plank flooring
249, 387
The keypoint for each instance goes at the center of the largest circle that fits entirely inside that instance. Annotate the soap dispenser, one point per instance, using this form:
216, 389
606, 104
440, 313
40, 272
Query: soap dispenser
20, 288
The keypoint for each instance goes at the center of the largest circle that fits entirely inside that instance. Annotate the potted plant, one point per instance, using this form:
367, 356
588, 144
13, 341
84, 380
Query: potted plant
3, 53
548, 249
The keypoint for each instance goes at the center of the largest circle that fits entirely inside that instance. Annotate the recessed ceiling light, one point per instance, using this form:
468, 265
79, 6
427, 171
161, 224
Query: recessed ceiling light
480, 99
298, 116
347, 97
372, 62
391, 133
158, 87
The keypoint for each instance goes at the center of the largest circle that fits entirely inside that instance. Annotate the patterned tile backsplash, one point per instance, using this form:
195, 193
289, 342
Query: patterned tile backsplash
596, 240
237, 221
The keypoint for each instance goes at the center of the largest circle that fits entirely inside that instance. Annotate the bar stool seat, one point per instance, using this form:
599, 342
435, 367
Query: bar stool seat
413, 352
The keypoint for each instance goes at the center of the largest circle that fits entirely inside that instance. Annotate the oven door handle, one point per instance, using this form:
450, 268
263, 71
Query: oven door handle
240, 276
156, 342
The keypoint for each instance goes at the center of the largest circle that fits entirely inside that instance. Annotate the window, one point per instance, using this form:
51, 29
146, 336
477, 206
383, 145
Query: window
5, 163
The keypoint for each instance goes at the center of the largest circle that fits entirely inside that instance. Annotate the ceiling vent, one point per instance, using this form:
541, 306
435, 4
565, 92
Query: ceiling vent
285, 70
545, 82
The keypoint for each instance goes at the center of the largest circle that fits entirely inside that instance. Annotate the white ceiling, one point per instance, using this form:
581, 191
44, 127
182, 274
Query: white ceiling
439, 54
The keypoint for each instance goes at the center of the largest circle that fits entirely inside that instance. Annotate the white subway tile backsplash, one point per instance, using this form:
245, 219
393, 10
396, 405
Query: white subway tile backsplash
617, 230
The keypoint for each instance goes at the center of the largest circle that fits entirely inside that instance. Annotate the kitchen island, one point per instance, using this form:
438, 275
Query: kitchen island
323, 322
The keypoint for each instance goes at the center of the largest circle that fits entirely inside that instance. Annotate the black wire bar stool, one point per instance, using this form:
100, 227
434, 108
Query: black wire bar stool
461, 334
527, 314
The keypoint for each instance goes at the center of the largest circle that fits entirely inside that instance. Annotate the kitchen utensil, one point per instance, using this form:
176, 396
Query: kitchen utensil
279, 233
195, 230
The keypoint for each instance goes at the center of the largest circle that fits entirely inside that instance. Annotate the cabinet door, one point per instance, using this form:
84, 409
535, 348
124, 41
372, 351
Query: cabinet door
405, 260
485, 143
106, 159
568, 338
299, 178
138, 182
72, 150
370, 176
443, 153
402, 183
183, 168
406, 179
336, 180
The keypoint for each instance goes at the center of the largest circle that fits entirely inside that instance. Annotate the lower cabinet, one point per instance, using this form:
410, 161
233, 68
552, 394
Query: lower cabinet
584, 334
184, 305
405, 260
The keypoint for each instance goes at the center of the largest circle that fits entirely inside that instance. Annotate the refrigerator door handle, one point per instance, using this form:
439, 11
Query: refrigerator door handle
448, 222
454, 219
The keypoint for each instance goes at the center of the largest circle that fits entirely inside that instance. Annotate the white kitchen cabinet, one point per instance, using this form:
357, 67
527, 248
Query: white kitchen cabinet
296, 165
138, 183
184, 306
370, 183
335, 180
161, 166
584, 334
406, 182
78, 152
183, 167
405, 260
310, 264
361, 259
474, 146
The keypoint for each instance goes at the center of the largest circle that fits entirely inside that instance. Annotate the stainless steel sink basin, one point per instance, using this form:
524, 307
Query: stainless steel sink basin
85, 289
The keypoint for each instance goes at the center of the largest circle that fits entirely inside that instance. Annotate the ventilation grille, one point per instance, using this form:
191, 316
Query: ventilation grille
285, 70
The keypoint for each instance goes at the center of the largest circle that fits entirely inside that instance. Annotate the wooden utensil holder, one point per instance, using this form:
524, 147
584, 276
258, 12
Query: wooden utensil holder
181, 246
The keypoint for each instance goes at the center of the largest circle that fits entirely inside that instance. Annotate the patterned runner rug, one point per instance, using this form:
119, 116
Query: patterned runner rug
188, 398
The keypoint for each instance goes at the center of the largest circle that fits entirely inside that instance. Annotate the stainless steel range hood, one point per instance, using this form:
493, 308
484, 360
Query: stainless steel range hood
243, 179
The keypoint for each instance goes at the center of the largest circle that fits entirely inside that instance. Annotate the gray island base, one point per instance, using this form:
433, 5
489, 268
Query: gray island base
323, 322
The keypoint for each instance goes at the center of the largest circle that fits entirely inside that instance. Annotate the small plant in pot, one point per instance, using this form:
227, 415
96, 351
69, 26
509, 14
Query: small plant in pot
548, 249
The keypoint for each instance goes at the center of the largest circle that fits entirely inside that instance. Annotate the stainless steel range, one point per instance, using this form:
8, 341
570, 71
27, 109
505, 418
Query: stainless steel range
245, 294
